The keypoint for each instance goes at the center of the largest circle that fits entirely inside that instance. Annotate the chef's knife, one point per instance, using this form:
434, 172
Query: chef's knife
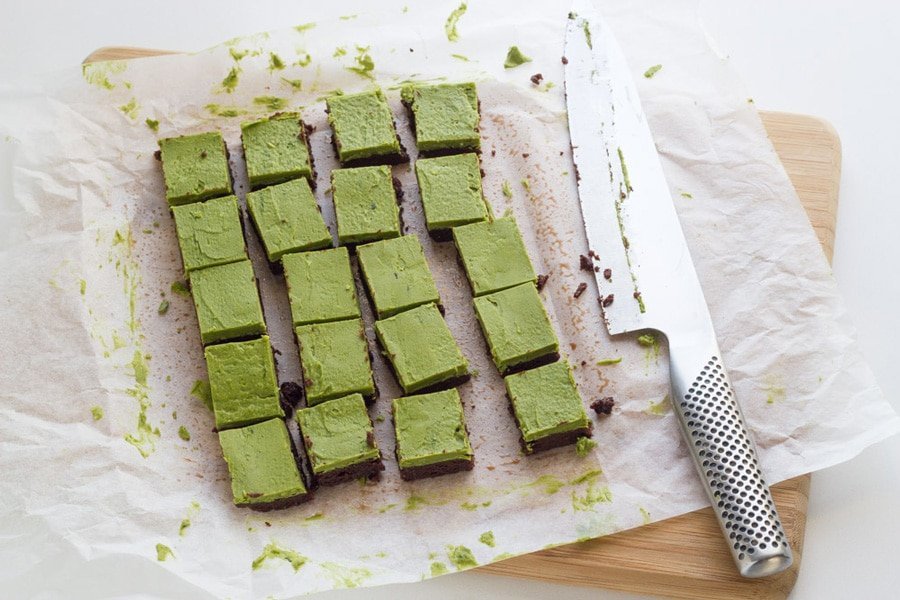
632, 226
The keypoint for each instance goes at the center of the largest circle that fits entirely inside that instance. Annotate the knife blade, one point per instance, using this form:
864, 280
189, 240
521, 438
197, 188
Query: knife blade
631, 224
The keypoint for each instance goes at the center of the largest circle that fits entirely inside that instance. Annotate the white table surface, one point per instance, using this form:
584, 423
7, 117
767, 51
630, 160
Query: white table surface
833, 59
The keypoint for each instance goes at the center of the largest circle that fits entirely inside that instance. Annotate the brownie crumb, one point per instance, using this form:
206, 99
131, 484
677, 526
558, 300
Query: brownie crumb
585, 263
583, 363
607, 274
267, 523
596, 269
603, 406
637, 295
203, 154
606, 301
537, 78
493, 153
565, 60
525, 155
370, 439
291, 393
580, 289
157, 155
542, 281
593, 255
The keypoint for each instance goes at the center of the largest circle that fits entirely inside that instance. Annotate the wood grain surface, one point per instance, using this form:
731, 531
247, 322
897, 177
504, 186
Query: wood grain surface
686, 557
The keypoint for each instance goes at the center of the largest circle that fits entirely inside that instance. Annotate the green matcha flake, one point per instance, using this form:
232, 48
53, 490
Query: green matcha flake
438, 568
82, 286
139, 367
651, 343
750, 101
184, 434
549, 483
347, 17
163, 552
98, 73
587, 33
584, 445
174, 412
182, 529
624, 170
502, 556
774, 394
593, 495
514, 58
304, 27
304, 59
275, 62
364, 63
231, 80
201, 391
415, 502
224, 111
237, 55
487, 538
315, 517
346, 577
468, 506
652, 71
130, 109
461, 557
339, 51
379, 419
587, 476
452, 20
506, 189
180, 288
273, 551
271, 102
687, 195
97, 412
608, 361
460, 57
297, 84
659, 408
386, 508
153, 124
163, 307
645, 516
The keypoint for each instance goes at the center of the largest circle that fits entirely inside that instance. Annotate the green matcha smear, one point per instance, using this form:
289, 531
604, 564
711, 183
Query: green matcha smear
487, 538
608, 361
461, 557
514, 58
184, 434
274, 552
452, 20
97, 412
584, 445
438, 568
346, 577
163, 552
652, 71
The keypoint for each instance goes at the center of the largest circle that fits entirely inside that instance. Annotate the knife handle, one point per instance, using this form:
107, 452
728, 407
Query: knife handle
726, 459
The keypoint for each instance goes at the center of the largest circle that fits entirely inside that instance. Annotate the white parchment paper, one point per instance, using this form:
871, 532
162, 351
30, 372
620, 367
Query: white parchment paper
88, 254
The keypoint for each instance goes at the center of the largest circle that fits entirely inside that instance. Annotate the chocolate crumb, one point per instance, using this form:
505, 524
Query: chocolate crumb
596, 269
585, 263
542, 281
267, 524
603, 406
580, 289
636, 295
604, 302
537, 78
157, 155
607, 274
525, 155
203, 154
593, 255
370, 439
583, 363
565, 60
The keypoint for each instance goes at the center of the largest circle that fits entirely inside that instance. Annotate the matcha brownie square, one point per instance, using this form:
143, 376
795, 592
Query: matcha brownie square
242, 383
445, 117
227, 302
263, 466
288, 219
364, 131
340, 440
547, 407
396, 275
320, 286
275, 149
365, 204
517, 329
335, 360
431, 435
450, 187
493, 255
421, 350
195, 167
209, 233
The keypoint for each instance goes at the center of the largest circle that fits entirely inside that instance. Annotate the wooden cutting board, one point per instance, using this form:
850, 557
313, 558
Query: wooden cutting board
686, 557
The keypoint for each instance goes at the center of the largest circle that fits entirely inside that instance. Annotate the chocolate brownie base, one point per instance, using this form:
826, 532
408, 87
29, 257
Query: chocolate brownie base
540, 361
437, 469
441, 235
370, 470
549, 442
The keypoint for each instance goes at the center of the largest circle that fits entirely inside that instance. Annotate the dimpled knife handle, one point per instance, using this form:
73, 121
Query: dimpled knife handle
726, 460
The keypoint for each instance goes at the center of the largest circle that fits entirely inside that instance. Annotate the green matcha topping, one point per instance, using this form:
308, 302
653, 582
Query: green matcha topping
242, 383
397, 275
338, 434
275, 149
365, 204
493, 255
335, 360
209, 233
421, 348
363, 126
451, 190
227, 302
430, 429
546, 402
446, 116
261, 463
514, 58
320, 286
515, 325
288, 218
195, 167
